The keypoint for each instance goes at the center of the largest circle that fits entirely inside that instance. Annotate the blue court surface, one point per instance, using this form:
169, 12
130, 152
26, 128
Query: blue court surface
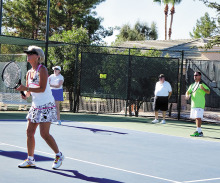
96, 152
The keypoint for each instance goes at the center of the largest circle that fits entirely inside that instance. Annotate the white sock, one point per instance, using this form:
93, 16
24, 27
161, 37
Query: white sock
199, 130
59, 154
31, 158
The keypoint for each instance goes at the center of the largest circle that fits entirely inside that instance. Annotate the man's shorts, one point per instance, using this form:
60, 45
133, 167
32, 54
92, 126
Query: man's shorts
196, 113
160, 103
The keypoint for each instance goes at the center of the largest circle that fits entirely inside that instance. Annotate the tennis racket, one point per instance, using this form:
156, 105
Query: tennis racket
11, 76
195, 87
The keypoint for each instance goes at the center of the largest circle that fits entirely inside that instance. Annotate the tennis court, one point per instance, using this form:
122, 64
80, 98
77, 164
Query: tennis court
112, 149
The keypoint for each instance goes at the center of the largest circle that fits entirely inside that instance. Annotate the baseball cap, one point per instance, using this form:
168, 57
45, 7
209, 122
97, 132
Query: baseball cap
56, 67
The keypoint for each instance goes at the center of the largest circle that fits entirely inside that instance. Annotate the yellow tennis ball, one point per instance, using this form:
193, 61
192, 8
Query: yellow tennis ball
103, 76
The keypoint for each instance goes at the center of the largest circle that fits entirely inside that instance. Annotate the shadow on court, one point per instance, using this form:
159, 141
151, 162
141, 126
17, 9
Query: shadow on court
95, 130
22, 155
76, 175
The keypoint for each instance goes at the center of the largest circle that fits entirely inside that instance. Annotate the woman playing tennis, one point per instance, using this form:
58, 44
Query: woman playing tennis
43, 109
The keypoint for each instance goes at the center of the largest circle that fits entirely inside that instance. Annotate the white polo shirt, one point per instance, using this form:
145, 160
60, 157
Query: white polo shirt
162, 89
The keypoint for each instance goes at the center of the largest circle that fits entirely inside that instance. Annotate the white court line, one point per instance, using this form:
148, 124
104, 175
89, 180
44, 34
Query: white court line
88, 162
202, 180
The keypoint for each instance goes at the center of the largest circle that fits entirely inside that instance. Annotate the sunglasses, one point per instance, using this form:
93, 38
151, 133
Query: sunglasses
56, 69
196, 75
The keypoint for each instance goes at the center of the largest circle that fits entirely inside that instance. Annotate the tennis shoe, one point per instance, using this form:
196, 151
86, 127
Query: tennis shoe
155, 121
197, 134
27, 164
58, 122
163, 122
58, 161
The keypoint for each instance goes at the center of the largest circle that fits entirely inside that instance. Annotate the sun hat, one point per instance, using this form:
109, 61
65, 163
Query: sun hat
36, 50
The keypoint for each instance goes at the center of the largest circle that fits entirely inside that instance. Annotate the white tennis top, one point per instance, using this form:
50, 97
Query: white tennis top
162, 89
43, 97
54, 80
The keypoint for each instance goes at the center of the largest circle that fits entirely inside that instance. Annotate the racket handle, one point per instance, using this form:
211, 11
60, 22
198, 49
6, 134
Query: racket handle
22, 93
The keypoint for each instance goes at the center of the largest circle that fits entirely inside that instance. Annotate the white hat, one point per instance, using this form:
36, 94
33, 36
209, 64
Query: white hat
58, 67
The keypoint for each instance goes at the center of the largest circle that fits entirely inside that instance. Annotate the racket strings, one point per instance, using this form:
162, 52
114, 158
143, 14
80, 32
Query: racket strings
196, 86
11, 75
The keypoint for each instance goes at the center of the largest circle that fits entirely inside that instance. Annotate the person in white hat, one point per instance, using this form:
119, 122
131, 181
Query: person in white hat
56, 84
43, 108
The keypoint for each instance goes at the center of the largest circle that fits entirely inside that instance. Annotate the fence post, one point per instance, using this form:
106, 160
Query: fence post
47, 31
76, 93
128, 81
180, 92
1, 7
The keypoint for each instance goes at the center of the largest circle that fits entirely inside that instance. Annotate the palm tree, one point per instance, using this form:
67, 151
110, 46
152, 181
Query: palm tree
166, 2
172, 11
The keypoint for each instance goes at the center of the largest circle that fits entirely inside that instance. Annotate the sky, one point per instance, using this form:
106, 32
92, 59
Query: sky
120, 12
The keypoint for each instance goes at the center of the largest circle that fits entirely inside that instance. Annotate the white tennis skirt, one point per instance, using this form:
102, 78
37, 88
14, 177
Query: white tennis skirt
43, 113
196, 113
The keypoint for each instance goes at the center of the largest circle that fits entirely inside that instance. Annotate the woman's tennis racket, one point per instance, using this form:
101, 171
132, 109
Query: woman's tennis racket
11, 76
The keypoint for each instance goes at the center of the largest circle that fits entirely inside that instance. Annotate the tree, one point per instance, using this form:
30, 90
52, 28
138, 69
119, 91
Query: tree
166, 2
153, 34
205, 27
27, 18
66, 56
216, 38
140, 32
24, 18
172, 11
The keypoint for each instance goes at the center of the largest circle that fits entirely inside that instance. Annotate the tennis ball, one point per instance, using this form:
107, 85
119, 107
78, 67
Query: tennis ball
103, 76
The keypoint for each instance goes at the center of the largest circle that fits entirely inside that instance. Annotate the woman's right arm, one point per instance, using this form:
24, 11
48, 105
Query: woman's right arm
27, 93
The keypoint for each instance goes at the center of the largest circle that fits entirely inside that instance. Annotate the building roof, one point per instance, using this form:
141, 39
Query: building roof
191, 47
157, 44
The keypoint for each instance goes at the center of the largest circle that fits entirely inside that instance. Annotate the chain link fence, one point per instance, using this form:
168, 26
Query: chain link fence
128, 79
116, 80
